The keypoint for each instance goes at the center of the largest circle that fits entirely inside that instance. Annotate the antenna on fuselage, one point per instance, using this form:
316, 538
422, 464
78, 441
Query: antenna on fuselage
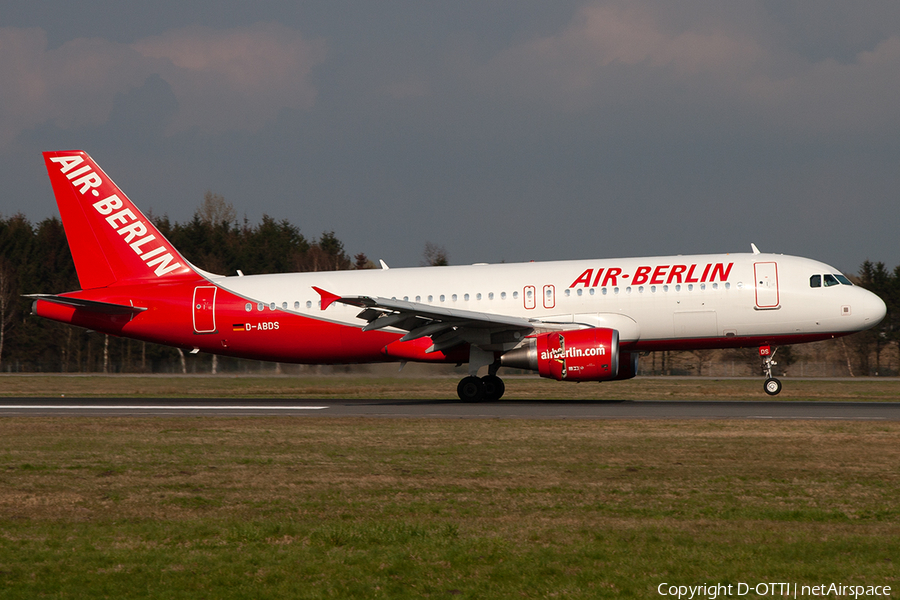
754, 248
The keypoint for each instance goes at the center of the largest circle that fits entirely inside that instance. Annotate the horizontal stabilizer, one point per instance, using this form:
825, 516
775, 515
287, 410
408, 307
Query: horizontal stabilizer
107, 308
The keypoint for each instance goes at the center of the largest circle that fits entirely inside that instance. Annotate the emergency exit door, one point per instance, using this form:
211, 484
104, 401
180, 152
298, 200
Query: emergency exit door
766, 284
205, 309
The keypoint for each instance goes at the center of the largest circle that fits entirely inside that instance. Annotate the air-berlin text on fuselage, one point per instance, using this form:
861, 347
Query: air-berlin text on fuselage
656, 275
124, 221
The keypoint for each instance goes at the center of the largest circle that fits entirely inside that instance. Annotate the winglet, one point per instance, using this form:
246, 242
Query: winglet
327, 297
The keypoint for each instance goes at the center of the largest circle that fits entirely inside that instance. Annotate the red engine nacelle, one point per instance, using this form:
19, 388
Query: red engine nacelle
577, 355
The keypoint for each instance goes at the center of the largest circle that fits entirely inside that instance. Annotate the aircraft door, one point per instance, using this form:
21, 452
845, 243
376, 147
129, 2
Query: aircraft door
529, 297
204, 309
766, 284
549, 296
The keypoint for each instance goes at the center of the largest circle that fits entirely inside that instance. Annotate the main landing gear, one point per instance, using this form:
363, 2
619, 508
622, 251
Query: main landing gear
772, 386
477, 389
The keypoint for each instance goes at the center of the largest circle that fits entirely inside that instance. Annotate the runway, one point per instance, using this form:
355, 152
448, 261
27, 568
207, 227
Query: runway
447, 409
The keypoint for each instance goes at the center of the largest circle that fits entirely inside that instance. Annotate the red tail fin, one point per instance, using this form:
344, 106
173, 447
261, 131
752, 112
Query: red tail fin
111, 240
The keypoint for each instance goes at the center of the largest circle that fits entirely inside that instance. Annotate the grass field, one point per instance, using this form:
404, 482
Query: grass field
360, 386
355, 508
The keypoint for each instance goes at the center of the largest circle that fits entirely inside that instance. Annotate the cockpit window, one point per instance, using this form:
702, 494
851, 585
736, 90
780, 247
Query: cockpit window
843, 279
830, 280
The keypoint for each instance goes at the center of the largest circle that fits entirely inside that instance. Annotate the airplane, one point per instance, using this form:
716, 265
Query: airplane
574, 320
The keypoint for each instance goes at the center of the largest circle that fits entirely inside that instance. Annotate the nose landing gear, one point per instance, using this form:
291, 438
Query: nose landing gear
772, 386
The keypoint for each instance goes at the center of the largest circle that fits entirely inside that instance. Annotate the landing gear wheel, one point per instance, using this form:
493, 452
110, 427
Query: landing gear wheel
493, 387
470, 389
772, 386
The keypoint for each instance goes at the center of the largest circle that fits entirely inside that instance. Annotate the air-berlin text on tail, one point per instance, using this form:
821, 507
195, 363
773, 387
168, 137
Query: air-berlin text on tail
134, 231
655, 275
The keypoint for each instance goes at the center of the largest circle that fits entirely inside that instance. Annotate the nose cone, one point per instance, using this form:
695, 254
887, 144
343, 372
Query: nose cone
872, 309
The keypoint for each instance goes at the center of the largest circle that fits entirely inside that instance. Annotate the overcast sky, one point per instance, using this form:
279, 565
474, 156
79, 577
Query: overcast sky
520, 130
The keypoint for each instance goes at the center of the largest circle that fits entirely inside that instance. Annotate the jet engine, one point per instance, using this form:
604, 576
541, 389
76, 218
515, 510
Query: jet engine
628, 365
576, 355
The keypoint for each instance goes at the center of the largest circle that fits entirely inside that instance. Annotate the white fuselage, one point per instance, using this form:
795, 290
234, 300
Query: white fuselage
655, 303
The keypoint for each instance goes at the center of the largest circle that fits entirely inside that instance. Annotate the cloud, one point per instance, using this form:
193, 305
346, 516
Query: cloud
236, 79
72, 86
859, 97
608, 51
406, 89
620, 54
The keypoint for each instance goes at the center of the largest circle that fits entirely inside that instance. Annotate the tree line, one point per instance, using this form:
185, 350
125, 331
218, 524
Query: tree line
35, 258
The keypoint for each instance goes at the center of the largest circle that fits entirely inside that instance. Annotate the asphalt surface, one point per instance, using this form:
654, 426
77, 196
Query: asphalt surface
111, 407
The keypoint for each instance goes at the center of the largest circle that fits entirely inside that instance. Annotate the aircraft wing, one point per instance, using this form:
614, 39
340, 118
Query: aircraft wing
447, 327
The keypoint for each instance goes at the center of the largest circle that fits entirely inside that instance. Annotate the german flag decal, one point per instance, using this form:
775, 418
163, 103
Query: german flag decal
239, 327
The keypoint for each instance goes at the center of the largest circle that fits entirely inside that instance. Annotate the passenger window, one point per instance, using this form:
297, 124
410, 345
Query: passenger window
830, 280
815, 281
